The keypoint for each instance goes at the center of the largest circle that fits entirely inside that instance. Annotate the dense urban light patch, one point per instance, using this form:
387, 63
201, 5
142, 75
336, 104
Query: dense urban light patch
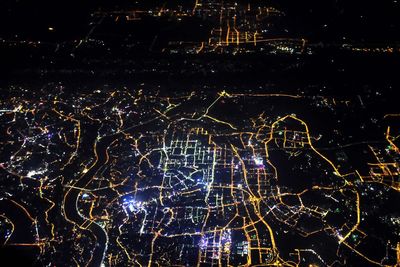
199, 133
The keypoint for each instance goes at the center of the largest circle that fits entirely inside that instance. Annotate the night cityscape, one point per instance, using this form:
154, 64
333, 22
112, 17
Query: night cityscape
199, 133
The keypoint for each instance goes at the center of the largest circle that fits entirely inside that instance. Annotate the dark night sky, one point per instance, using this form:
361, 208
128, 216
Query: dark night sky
325, 20
371, 21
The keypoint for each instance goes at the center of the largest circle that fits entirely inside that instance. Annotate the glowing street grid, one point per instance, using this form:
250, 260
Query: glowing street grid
120, 178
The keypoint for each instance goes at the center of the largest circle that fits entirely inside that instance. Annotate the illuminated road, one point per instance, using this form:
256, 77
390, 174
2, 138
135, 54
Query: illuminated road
71, 199
150, 174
